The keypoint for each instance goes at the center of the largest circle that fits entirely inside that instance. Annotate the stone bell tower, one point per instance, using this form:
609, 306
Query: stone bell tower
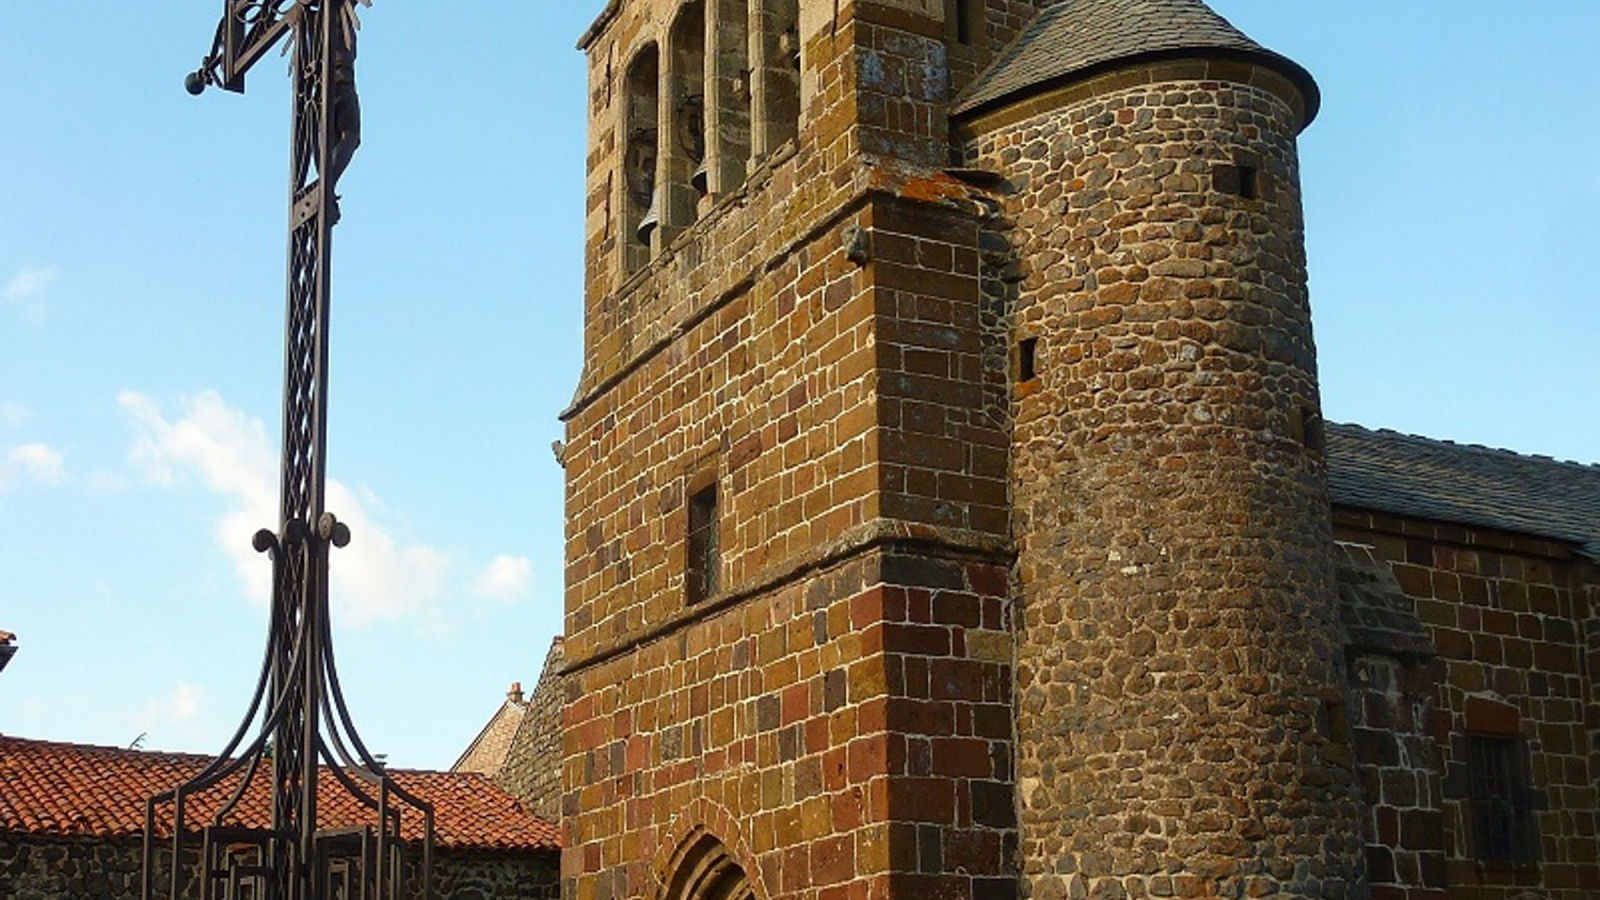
944, 457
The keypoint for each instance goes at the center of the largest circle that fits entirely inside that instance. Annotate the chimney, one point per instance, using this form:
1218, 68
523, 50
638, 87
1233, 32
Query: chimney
515, 694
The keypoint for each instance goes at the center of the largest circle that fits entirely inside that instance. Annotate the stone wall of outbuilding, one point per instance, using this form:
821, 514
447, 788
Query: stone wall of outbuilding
532, 769
35, 867
1513, 621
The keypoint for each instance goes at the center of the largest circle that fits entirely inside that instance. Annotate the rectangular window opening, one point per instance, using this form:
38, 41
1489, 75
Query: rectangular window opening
1501, 814
704, 555
1248, 182
1241, 180
963, 22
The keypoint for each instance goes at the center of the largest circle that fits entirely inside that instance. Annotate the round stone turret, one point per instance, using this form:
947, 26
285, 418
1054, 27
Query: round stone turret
1177, 695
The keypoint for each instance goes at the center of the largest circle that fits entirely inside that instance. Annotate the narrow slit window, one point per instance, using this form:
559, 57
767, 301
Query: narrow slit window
704, 554
959, 21
1028, 359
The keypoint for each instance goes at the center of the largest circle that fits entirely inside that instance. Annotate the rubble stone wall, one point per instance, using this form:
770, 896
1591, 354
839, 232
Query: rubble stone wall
85, 868
532, 770
1178, 639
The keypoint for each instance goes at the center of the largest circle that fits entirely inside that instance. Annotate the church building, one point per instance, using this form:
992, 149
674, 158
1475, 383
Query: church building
950, 512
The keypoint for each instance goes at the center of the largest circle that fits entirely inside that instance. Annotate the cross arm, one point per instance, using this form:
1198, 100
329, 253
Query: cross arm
249, 28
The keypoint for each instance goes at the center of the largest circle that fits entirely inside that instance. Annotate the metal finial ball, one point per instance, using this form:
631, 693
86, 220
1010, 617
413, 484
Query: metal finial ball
194, 83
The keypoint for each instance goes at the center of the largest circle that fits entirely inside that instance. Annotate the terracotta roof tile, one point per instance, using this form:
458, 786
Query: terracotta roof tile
73, 789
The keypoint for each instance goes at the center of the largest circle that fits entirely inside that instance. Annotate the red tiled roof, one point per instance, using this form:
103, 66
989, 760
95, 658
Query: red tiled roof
73, 789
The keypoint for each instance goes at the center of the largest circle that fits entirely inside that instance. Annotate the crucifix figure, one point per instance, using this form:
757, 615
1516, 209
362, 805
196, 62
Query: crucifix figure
304, 744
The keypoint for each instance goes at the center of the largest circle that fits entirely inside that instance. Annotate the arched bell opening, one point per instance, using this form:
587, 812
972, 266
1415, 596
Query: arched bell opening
683, 175
776, 50
641, 124
728, 99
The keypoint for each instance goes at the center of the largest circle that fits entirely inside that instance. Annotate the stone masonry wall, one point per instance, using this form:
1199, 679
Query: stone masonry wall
845, 735
1508, 615
1391, 720
76, 868
532, 770
836, 712
841, 403
34, 868
1178, 636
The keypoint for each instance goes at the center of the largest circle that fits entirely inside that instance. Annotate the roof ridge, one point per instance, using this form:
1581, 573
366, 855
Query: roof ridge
190, 756
1467, 445
107, 748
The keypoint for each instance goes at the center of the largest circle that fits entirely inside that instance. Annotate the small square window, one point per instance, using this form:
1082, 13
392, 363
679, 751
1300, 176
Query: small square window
703, 562
1239, 180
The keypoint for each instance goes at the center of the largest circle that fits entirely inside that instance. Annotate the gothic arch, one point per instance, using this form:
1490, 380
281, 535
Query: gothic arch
703, 856
704, 869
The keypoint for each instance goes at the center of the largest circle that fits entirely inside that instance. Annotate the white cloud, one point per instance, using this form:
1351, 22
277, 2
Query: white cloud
376, 577
24, 289
34, 462
103, 482
179, 709
30, 282
12, 413
507, 578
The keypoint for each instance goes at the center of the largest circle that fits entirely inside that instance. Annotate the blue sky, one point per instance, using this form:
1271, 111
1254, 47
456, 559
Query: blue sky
1450, 186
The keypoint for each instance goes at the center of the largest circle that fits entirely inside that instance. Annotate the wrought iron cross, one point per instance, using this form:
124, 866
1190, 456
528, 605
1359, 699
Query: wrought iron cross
304, 742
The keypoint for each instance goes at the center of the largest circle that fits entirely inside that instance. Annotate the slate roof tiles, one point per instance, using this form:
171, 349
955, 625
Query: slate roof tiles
1075, 37
72, 789
1406, 475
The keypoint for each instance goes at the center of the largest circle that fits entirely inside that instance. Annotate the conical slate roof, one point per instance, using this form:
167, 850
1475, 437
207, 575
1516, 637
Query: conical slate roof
1080, 37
